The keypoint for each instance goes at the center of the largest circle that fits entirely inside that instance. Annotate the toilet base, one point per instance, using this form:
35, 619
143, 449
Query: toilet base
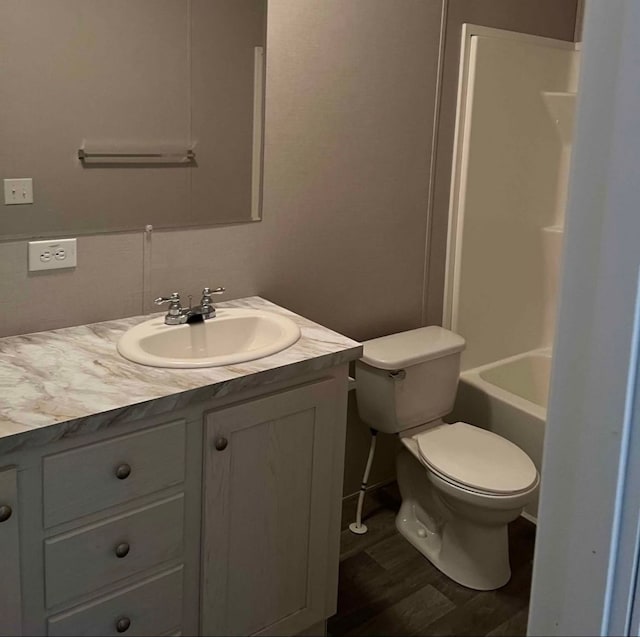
468, 544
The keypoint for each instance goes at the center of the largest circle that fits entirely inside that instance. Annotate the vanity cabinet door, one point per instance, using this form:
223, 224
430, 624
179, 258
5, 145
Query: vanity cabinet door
267, 507
10, 598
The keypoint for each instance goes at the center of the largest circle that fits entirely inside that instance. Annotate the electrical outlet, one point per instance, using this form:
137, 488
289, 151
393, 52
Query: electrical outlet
18, 191
52, 254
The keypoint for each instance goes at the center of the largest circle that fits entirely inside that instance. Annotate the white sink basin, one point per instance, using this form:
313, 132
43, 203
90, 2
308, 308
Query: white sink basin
233, 336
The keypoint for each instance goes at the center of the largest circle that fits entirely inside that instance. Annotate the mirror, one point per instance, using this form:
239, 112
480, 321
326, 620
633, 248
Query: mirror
127, 114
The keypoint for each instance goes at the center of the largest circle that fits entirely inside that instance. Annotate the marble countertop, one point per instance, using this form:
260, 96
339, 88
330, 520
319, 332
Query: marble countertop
52, 384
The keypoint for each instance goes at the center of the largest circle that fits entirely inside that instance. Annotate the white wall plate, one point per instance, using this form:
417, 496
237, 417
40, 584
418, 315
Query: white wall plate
52, 254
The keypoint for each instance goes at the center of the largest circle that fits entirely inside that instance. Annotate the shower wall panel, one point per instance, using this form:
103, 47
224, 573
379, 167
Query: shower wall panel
508, 186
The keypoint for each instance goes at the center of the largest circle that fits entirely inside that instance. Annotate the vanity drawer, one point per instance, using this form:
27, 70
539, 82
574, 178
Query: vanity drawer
152, 607
85, 560
88, 479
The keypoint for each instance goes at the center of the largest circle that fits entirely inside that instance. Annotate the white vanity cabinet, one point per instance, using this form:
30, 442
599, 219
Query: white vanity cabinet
267, 512
219, 518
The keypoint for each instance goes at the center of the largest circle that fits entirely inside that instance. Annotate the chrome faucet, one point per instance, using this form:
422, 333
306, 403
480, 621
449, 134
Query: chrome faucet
177, 315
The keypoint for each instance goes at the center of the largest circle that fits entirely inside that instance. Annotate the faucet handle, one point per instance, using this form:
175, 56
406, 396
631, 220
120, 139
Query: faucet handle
206, 305
174, 303
174, 298
209, 291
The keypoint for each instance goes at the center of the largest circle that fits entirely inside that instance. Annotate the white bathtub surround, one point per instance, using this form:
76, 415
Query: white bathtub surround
509, 398
526, 375
508, 193
53, 382
513, 146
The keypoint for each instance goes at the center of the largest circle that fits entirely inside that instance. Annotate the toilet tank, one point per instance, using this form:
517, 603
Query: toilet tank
408, 379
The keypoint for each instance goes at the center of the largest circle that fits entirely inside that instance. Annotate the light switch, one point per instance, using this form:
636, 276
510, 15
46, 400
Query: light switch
18, 191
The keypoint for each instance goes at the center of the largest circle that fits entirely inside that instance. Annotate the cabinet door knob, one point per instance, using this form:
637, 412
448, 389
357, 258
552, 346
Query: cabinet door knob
221, 443
122, 624
5, 512
123, 471
122, 550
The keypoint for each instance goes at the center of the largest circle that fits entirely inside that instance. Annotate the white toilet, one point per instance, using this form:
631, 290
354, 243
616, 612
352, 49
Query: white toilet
460, 485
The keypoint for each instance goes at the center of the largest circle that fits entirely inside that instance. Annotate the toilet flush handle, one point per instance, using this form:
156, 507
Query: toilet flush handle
397, 374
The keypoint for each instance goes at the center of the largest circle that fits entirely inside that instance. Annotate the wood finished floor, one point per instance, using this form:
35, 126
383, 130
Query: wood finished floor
388, 588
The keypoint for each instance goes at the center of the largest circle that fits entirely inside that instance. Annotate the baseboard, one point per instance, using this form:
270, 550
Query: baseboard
370, 488
317, 630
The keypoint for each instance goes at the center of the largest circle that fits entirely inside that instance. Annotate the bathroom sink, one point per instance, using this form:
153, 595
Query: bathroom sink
233, 336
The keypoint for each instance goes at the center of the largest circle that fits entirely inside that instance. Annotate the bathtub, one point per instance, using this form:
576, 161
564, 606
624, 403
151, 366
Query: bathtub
509, 397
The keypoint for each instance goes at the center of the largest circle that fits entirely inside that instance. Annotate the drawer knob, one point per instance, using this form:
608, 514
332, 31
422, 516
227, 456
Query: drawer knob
123, 471
5, 512
122, 625
122, 550
221, 443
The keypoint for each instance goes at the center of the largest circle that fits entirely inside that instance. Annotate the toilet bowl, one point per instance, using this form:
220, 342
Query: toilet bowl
460, 485
458, 519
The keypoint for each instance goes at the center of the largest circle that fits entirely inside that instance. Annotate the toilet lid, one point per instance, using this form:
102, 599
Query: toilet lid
476, 458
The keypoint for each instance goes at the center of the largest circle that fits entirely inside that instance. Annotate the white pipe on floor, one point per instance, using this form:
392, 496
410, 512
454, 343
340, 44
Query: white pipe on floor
357, 527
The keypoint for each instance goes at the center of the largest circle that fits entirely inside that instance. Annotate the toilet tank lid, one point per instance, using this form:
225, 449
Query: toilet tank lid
404, 349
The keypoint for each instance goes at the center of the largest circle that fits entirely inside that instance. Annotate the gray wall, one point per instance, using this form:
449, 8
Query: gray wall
350, 110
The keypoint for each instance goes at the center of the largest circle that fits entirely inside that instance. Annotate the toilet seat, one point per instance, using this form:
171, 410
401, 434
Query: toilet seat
476, 460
